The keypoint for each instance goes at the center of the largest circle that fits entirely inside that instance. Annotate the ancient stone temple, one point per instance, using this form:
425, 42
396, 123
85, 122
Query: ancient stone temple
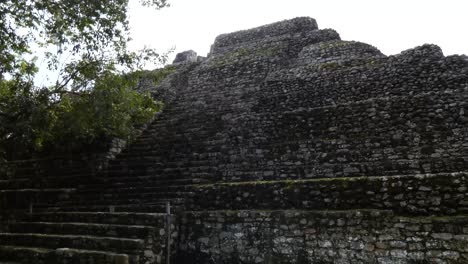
284, 145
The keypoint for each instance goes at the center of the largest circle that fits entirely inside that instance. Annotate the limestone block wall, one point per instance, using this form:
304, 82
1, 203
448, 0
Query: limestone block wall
386, 136
324, 84
321, 237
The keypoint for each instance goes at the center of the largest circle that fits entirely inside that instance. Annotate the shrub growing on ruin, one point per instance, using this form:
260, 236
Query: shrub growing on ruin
92, 96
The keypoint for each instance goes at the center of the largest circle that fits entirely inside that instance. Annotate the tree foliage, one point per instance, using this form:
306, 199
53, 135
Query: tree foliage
93, 95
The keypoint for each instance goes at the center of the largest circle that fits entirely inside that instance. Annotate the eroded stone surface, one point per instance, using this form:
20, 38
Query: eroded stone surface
186, 57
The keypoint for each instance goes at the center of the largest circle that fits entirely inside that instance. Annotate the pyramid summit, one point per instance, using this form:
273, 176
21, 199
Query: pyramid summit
285, 144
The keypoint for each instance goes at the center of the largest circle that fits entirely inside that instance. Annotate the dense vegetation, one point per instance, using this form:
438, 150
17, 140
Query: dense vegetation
93, 96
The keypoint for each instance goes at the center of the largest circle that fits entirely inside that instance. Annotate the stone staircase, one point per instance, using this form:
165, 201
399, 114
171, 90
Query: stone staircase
106, 218
116, 215
81, 237
71, 229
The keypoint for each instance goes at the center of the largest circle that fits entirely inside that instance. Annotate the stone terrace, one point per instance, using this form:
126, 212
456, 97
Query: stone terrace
285, 145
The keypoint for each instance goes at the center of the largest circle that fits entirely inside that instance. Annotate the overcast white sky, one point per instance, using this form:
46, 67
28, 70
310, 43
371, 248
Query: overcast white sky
392, 26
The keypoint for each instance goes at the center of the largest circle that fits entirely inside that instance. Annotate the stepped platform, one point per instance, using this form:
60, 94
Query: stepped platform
285, 145
424, 194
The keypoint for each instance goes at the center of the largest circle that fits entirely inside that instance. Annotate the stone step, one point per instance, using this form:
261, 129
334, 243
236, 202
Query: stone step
134, 195
115, 175
190, 137
142, 181
79, 256
124, 190
164, 174
16, 184
134, 208
35, 191
181, 118
63, 181
145, 159
26, 255
39, 255
128, 206
22, 198
169, 144
187, 121
147, 219
32, 172
159, 167
106, 203
88, 229
123, 245
163, 171
163, 127
160, 129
